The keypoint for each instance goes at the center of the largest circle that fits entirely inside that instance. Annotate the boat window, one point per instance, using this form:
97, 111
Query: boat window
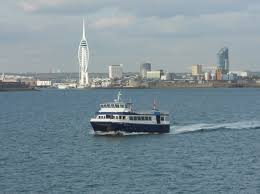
120, 117
123, 117
139, 118
143, 118
162, 118
166, 118
116, 117
150, 118
108, 116
146, 118
117, 105
108, 105
121, 106
131, 118
135, 118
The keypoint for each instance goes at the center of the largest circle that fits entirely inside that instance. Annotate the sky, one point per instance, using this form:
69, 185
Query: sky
44, 35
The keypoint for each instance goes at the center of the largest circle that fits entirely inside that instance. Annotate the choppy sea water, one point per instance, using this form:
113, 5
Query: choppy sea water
47, 145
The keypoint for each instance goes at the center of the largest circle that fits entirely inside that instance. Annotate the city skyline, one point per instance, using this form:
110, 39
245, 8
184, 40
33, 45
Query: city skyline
169, 34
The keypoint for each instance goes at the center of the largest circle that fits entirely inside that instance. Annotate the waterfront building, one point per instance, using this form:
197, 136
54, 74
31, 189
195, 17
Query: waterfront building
154, 74
168, 76
196, 70
225, 77
2, 77
223, 59
232, 76
213, 76
245, 74
144, 68
40, 83
100, 83
115, 71
207, 76
219, 74
83, 57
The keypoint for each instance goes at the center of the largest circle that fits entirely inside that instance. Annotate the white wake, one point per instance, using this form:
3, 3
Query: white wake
214, 126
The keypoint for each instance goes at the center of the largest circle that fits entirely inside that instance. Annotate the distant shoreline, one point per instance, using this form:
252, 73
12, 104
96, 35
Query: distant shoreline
188, 85
17, 89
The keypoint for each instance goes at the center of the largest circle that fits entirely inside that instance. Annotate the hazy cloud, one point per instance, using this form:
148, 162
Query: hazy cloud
176, 33
36, 5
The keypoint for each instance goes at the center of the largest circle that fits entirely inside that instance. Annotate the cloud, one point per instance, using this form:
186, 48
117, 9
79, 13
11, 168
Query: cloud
145, 8
180, 32
113, 21
36, 5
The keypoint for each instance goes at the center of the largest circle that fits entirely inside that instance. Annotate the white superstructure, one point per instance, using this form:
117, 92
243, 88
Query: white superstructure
83, 57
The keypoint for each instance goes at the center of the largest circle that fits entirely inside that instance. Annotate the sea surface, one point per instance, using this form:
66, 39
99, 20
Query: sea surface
47, 144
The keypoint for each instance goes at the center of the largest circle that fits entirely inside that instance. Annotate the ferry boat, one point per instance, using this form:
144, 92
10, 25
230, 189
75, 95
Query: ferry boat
119, 116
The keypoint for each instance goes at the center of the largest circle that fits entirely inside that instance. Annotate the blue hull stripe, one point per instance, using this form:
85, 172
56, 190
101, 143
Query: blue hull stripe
130, 127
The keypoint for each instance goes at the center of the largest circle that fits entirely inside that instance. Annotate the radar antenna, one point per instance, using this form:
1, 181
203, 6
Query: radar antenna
119, 96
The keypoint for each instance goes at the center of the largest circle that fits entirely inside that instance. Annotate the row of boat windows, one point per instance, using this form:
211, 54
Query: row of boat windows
140, 118
111, 117
114, 106
131, 118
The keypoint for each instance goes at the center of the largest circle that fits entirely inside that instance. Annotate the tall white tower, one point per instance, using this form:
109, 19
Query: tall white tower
83, 57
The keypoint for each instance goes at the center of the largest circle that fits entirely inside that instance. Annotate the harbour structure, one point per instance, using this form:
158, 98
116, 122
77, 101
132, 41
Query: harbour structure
83, 57
115, 71
223, 59
15, 85
144, 68
119, 116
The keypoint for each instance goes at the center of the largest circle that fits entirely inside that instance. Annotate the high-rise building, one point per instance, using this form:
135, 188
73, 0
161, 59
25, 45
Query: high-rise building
115, 71
223, 60
144, 68
196, 70
83, 57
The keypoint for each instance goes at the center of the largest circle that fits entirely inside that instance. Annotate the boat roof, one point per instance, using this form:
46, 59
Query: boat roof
117, 102
135, 113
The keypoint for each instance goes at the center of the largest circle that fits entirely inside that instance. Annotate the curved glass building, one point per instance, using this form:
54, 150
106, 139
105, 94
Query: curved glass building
83, 57
223, 59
